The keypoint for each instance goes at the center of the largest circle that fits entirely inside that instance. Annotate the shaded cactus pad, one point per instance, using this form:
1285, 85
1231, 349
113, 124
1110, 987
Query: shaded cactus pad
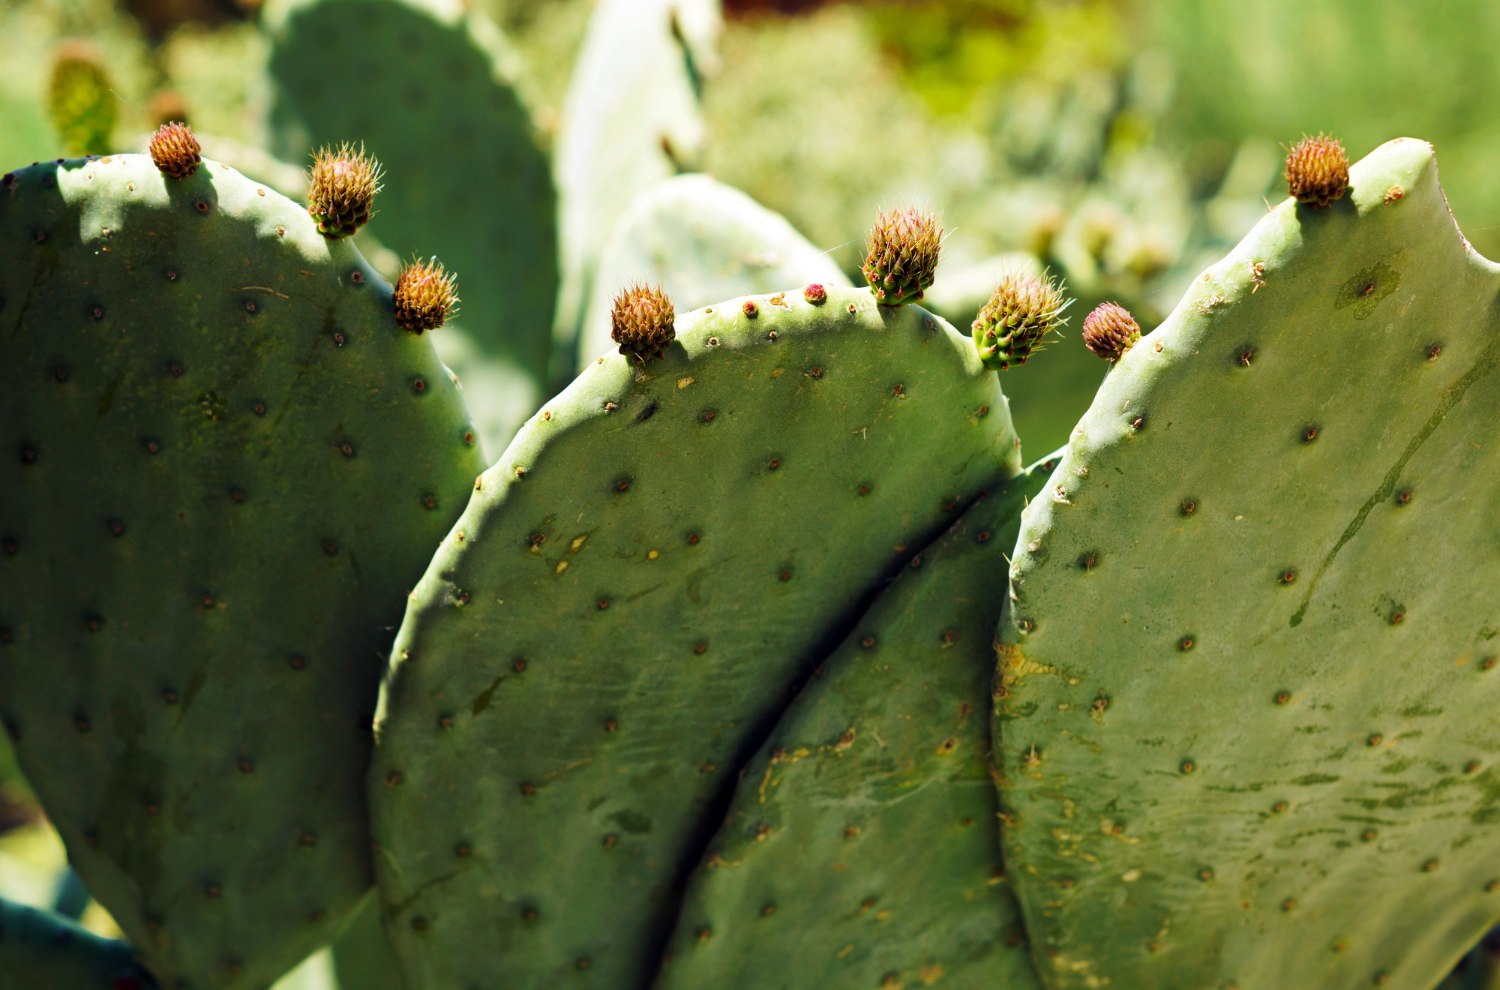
222, 466
41, 950
430, 89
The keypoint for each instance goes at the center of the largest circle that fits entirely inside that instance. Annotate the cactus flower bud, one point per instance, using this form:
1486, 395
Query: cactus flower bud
1019, 315
342, 189
426, 295
904, 246
1317, 170
175, 150
1109, 331
642, 322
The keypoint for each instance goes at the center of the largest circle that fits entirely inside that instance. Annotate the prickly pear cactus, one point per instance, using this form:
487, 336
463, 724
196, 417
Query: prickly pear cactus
465, 177
42, 950
82, 101
362, 956
705, 241
631, 119
223, 466
813, 882
1246, 722
626, 606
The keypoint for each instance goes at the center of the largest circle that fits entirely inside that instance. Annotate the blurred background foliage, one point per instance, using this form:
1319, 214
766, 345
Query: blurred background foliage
1122, 144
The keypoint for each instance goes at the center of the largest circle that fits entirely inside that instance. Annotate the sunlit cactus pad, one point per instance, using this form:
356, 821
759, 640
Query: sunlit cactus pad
1247, 702
619, 617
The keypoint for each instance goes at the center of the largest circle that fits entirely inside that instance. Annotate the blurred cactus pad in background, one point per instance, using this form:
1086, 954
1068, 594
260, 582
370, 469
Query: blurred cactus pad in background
771, 494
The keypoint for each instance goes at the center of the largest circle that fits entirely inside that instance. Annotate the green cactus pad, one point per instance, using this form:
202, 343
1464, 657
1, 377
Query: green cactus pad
430, 88
222, 466
1247, 725
42, 951
862, 848
631, 120
82, 100
362, 956
704, 241
623, 610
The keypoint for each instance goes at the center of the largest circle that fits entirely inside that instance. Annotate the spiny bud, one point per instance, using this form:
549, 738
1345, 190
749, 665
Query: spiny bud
1109, 331
1317, 170
342, 188
83, 104
1019, 315
175, 151
642, 322
426, 295
904, 246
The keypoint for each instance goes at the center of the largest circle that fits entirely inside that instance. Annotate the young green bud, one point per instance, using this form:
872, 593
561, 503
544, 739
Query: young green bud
1020, 314
82, 102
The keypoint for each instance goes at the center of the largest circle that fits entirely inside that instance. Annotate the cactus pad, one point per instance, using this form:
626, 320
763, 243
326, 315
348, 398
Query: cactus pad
82, 100
40, 951
430, 88
1248, 690
862, 849
626, 605
631, 120
224, 464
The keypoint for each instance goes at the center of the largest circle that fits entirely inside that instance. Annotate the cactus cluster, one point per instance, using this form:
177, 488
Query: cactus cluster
754, 657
